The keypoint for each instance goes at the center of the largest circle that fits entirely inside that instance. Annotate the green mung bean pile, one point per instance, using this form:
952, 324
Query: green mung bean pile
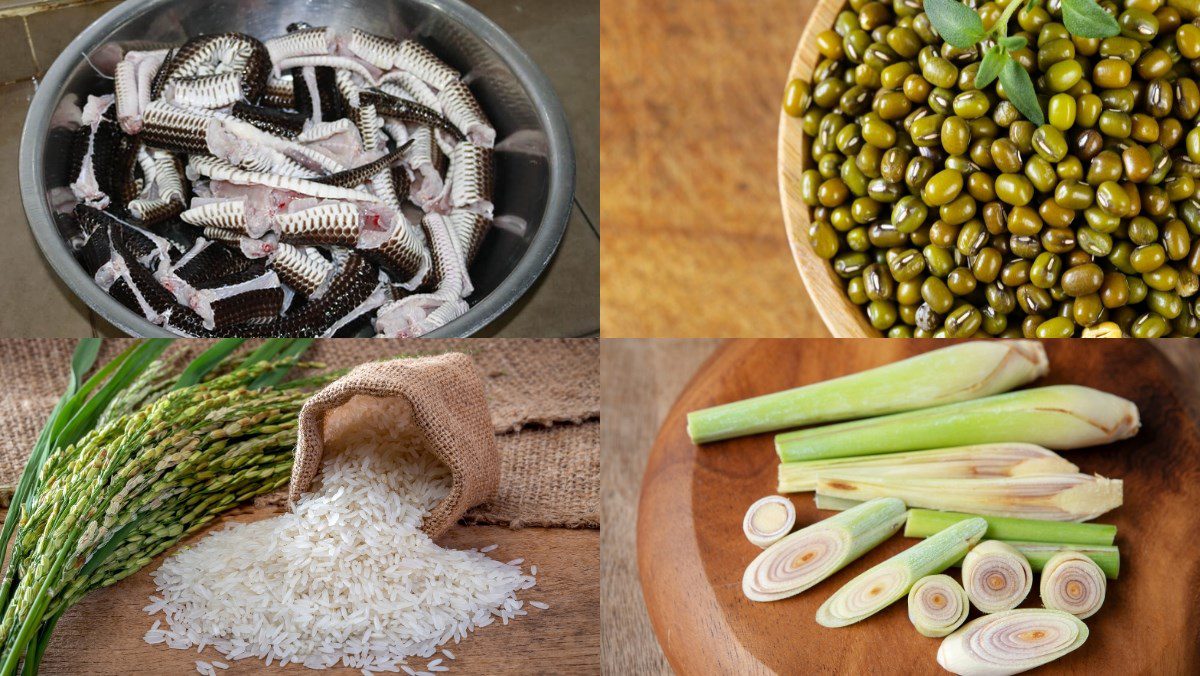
946, 212
139, 455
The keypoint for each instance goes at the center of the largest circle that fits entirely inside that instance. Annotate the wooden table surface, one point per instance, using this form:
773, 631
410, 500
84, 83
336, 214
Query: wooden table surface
694, 242
640, 380
102, 636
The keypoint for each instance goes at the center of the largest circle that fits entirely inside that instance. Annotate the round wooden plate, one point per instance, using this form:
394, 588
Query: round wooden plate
691, 551
842, 317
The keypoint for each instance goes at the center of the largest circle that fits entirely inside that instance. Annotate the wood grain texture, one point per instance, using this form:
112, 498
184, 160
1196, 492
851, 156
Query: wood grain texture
694, 244
691, 552
639, 381
103, 634
843, 318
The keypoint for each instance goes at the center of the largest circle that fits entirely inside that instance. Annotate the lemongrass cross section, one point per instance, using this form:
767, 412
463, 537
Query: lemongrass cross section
937, 605
996, 576
808, 556
1073, 583
768, 520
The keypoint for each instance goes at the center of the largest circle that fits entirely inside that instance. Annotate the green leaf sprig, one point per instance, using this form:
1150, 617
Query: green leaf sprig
962, 27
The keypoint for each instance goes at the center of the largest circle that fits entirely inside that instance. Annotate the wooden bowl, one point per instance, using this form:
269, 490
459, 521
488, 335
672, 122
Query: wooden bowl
843, 318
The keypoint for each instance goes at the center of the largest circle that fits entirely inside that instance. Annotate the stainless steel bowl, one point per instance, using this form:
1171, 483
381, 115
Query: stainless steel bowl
535, 165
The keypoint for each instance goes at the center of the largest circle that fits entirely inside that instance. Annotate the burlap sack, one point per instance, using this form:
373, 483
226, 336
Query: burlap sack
448, 408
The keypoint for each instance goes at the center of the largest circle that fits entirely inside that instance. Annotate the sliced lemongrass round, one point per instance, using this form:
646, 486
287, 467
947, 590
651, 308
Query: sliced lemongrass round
996, 576
810, 555
1073, 583
1011, 641
879, 587
937, 605
768, 520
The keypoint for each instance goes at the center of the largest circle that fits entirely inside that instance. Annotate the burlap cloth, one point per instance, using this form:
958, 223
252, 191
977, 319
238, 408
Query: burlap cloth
543, 396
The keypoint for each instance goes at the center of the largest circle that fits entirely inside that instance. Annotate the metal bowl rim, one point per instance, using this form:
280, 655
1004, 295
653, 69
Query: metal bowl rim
559, 201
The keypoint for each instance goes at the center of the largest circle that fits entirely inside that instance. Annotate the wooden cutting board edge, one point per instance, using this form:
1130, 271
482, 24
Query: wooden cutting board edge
665, 528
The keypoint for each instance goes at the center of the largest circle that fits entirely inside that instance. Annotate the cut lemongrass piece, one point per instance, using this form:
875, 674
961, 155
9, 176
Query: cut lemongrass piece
1057, 417
937, 605
839, 504
996, 576
925, 522
996, 460
1073, 583
1012, 641
1053, 497
882, 585
768, 520
812, 554
950, 374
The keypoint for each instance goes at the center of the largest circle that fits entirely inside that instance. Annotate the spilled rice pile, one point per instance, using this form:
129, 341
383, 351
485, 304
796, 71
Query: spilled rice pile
347, 578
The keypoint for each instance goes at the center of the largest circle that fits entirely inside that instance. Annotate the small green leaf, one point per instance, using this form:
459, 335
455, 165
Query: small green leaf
1013, 43
993, 60
1086, 19
958, 24
1019, 89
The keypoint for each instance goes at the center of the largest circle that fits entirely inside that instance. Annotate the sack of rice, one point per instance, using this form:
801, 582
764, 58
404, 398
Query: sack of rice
441, 398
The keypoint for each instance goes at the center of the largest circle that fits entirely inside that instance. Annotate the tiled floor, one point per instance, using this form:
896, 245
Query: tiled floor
562, 36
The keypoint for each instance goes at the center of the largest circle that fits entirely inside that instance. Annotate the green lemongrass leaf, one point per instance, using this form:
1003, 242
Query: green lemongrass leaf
958, 24
993, 60
1019, 89
207, 361
1086, 19
1013, 43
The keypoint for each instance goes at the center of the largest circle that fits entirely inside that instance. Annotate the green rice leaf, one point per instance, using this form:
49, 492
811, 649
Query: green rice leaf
207, 361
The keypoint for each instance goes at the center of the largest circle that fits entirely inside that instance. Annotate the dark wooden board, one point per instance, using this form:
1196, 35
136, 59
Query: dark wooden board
691, 551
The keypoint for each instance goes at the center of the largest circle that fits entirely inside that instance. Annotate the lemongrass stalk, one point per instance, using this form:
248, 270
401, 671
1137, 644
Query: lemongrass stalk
996, 576
997, 460
1073, 583
1053, 497
1057, 417
1012, 641
808, 556
937, 605
768, 520
882, 585
950, 374
836, 504
924, 522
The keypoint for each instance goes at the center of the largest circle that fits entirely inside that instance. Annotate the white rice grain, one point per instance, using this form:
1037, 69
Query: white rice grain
346, 577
